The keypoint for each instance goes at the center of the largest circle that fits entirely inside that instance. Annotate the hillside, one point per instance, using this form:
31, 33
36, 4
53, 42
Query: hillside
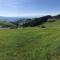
32, 43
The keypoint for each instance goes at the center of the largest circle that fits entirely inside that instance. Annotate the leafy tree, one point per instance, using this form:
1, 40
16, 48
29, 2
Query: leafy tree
37, 21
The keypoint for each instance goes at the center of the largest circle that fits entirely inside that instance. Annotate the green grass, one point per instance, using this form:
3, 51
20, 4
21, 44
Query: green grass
33, 43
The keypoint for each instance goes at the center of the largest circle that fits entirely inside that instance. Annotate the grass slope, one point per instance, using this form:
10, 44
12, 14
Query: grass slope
30, 43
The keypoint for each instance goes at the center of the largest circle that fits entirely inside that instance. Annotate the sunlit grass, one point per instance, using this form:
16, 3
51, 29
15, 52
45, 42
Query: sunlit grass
32, 43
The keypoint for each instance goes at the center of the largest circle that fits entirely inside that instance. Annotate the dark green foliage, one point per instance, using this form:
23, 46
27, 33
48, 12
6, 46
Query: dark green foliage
40, 21
43, 26
57, 16
37, 21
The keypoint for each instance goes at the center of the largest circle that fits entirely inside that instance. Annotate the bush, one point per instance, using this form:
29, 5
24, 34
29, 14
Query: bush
43, 26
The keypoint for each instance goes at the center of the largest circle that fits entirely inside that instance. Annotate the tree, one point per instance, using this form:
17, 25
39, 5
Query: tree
37, 21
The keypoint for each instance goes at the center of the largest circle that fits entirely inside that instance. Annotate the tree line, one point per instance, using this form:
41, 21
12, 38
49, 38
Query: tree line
35, 21
29, 22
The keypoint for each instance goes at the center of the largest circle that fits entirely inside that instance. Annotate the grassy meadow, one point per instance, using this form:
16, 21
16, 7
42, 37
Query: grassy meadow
33, 43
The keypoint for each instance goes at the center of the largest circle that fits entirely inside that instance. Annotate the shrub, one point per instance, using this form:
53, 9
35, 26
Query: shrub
43, 26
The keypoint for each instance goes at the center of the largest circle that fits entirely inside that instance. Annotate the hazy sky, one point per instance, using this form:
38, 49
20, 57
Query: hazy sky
29, 7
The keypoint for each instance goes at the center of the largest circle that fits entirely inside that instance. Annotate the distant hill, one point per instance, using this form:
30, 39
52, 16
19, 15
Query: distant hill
8, 18
13, 19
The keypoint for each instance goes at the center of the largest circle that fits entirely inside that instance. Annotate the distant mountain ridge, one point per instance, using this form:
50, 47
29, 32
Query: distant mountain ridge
13, 19
2, 18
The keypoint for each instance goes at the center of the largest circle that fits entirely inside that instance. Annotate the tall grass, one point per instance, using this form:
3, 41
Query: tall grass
33, 43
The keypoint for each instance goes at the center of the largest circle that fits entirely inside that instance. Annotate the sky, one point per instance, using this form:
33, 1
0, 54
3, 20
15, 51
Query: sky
32, 8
